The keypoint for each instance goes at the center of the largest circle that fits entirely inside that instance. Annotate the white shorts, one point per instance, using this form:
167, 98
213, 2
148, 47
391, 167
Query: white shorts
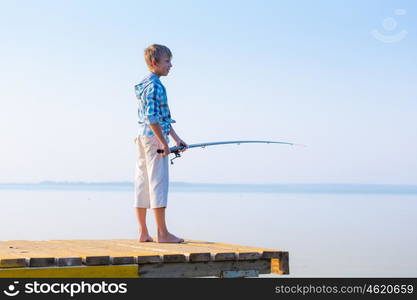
151, 178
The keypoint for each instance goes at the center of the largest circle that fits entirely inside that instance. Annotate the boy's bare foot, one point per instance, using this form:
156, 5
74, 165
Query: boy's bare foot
145, 238
169, 238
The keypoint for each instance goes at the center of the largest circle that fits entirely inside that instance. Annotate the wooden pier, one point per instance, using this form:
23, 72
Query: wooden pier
124, 258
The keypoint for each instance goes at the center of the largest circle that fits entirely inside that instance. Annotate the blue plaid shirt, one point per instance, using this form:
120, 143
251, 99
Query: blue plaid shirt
153, 105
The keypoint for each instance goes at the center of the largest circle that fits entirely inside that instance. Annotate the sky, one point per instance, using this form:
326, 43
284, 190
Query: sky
337, 76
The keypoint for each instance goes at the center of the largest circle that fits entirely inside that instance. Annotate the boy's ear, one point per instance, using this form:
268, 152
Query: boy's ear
153, 62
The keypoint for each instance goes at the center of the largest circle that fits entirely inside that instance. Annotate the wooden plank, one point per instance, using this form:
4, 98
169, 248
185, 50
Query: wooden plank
249, 256
71, 248
155, 248
225, 256
271, 254
281, 265
112, 248
88, 248
42, 262
285, 263
149, 259
174, 258
122, 260
69, 261
199, 257
127, 271
83, 248
13, 263
126, 248
96, 260
201, 269
224, 247
129, 245
119, 252
28, 248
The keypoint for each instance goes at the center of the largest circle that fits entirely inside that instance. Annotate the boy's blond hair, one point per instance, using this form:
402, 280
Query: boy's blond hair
155, 52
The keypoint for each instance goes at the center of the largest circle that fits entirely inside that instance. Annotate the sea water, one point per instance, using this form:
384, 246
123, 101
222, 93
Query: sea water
327, 235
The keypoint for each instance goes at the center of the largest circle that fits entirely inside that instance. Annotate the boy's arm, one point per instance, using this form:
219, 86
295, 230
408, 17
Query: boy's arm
152, 113
157, 130
176, 138
173, 134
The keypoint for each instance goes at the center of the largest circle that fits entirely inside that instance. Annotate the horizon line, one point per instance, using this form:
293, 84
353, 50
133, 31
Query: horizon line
52, 182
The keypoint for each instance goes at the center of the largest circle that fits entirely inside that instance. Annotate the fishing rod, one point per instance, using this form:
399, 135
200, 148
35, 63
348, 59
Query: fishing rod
176, 149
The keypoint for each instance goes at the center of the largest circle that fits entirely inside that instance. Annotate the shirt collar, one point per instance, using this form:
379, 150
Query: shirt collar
153, 77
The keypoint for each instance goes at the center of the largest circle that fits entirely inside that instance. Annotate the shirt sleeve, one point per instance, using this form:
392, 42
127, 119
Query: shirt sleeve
152, 96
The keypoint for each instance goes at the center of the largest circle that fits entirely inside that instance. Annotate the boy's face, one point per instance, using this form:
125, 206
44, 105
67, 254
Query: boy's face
162, 67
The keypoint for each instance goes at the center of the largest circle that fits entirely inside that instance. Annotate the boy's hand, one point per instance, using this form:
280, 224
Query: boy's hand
180, 142
165, 148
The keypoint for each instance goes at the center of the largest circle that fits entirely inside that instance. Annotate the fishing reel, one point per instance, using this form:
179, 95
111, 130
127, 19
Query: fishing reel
175, 150
177, 154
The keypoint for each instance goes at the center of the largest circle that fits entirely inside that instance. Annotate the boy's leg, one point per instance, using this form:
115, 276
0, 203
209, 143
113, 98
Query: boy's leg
163, 235
143, 230
158, 173
142, 201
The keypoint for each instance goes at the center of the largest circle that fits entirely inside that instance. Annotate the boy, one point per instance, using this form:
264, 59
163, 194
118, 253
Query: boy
151, 180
